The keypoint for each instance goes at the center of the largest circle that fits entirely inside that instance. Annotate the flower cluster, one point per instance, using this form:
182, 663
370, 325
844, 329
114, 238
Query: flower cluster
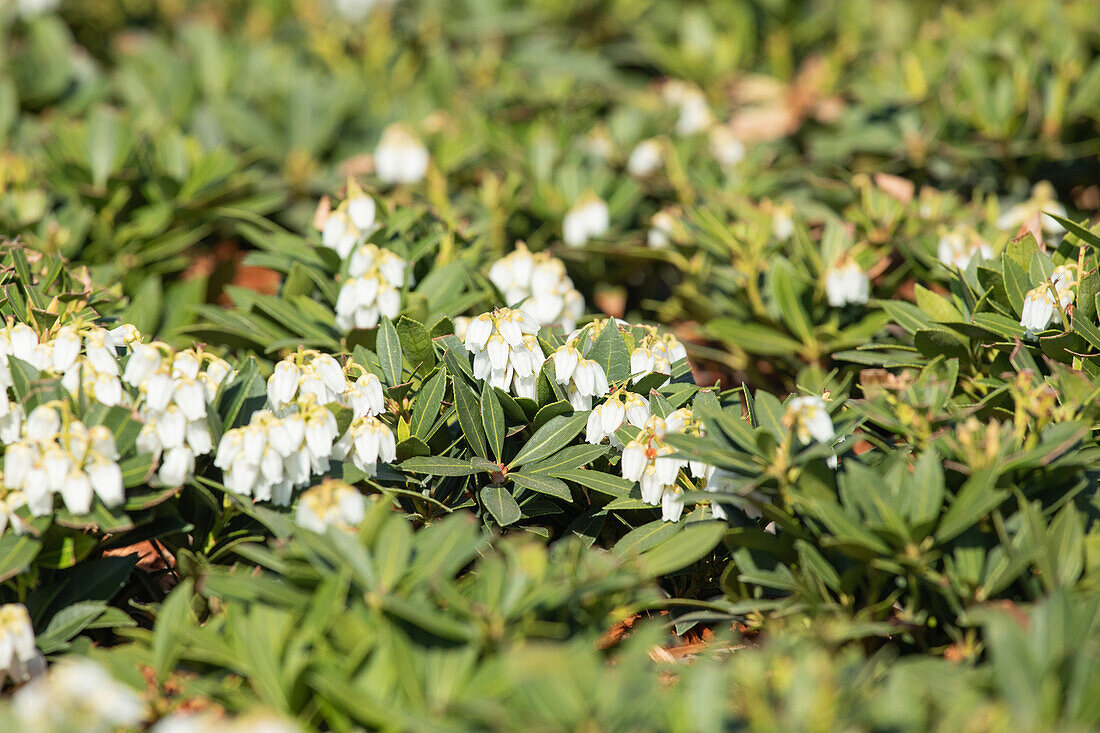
539, 283
846, 283
583, 379
59, 455
367, 441
655, 353
177, 389
351, 223
84, 356
372, 290
1043, 303
506, 352
664, 228
695, 115
645, 159
76, 694
20, 660
331, 503
808, 417
271, 456
958, 247
588, 219
400, 156
620, 408
308, 373
653, 464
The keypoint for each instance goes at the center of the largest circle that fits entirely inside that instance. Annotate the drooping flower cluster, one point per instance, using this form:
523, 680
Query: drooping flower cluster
400, 156
695, 115
958, 247
665, 228
540, 285
1030, 215
506, 352
367, 441
645, 159
20, 659
653, 463
655, 353
84, 356
846, 283
351, 223
58, 455
583, 379
809, 418
311, 373
1044, 303
622, 407
589, 218
331, 503
726, 148
177, 389
372, 290
76, 694
271, 456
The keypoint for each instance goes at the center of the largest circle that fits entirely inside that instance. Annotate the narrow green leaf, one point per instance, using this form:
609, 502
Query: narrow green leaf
542, 484
389, 351
557, 433
492, 419
501, 504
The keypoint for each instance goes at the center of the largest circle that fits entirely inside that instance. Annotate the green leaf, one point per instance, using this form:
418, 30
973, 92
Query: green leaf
438, 466
752, 337
610, 352
389, 351
790, 305
167, 633
604, 483
684, 548
416, 342
16, 553
937, 307
1016, 283
1085, 235
557, 433
569, 458
561, 407
492, 419
977, 497
427, 403
542, 484
501, 504
243, 396
468, 409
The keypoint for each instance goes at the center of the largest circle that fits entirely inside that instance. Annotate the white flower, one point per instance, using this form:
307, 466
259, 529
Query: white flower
695, 115
400, 156
846, 283
725, 147
655, 354
587, 219
506, 352
583, 378
367, 441
809, 419
645, 159
19, 657
372, 290
1030, 215
956, 248
331, 503
652, 463
540, 284
366, 396
349, 225
76, 694
211, 723
663, 227
1041, 304
621, 408
11, 422
33, 8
